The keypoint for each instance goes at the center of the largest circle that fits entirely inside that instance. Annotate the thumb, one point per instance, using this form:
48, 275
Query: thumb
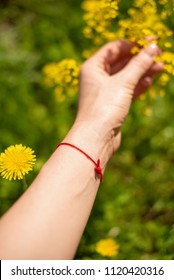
139, 65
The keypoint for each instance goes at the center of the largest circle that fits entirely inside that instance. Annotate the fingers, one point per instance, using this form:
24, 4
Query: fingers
114, 50
121, 62
155, 69
142, 86
146, 81
139, 65
119, 65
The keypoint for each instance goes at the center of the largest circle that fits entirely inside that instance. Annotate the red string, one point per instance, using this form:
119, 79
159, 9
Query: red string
97, 169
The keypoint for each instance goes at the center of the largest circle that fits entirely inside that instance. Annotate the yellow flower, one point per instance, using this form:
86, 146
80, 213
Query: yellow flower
163, 80
63, 76
144, 18
167, 44
59, 94
152, 93
107, 247
98, 18
148, 112
16, 161
168, 59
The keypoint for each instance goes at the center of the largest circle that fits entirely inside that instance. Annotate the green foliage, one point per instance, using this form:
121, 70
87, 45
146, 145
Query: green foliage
135, 204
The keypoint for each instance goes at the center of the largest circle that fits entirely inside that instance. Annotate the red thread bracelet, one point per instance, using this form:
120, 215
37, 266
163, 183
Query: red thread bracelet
97, 169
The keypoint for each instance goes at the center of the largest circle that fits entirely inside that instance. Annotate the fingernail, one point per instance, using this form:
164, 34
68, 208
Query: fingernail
152, 50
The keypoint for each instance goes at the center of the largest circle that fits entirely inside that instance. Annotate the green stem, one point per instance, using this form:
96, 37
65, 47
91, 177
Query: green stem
25, 186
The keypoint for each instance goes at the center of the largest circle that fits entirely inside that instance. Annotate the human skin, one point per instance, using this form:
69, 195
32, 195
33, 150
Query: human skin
48, 220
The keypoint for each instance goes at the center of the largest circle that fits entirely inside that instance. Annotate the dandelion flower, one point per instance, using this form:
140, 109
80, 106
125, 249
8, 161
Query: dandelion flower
16, 161
107, 247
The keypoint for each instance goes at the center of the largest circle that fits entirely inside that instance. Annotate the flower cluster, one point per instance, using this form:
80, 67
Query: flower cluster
16, 161
63, 76
168, 59
107, 247
98, 18
105, 21
144, 20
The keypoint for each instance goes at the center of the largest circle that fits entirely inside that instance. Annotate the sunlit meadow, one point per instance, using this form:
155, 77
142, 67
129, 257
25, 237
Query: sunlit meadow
43, 44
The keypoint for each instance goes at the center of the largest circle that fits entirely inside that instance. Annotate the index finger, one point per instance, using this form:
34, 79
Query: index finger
113, 51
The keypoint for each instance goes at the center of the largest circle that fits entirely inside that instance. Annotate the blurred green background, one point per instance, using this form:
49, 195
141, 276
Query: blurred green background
135, 204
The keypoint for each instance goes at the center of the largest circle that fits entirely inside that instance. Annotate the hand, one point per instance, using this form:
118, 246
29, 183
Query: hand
110, 80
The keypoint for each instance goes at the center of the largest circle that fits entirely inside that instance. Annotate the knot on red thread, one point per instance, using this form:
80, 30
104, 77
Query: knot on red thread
98, 170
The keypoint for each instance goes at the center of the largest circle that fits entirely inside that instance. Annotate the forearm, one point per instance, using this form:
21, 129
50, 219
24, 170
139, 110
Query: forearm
48, 220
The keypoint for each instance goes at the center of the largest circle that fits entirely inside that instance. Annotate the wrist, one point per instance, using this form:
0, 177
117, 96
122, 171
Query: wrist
95, 139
